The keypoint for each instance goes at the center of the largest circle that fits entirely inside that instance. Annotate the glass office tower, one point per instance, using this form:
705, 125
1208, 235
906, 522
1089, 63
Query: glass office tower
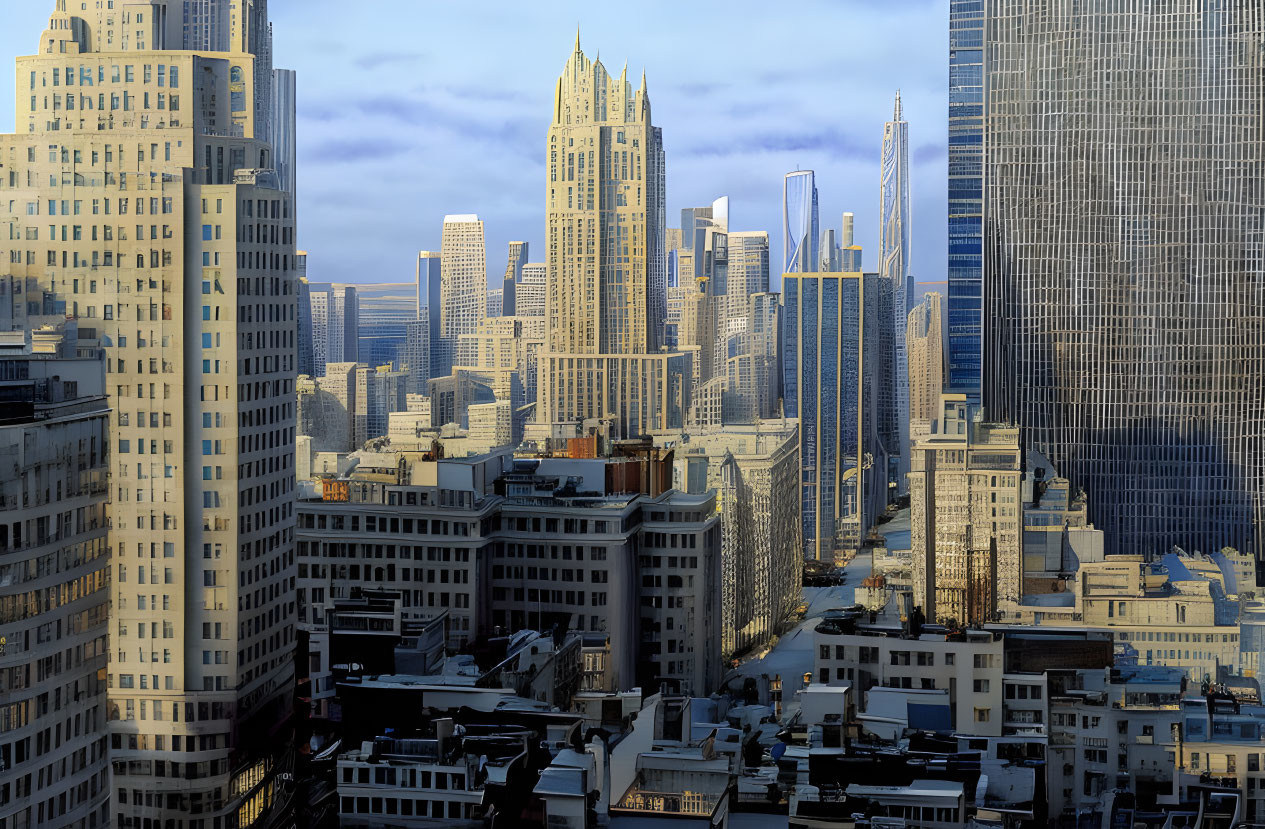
966, 129
800, 237
832, 317
1124, 267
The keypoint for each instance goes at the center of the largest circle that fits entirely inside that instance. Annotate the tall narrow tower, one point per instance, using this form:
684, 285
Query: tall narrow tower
894, 268
604, 234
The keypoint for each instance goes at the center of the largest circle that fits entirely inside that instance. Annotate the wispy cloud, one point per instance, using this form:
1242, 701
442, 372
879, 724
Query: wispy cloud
377, 60
349, 150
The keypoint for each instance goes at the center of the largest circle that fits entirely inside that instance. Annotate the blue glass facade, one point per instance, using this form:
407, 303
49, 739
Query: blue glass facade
966, 241
800, 241
833, 380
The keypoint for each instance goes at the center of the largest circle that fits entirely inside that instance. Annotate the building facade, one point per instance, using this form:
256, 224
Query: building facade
463, 285
964, 303
1141, 406
924, 339
829, 320
606, 307
894, 267
54, 651
966, 513
191, 293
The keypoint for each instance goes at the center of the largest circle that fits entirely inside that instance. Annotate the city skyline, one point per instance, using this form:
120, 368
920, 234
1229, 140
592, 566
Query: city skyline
488, 122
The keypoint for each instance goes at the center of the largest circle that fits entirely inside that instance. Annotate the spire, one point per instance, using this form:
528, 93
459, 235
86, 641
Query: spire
643, 80
897, 117
577, 38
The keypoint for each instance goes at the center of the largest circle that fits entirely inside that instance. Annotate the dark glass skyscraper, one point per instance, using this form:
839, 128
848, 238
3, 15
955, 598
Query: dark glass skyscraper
966, 129
1124, 324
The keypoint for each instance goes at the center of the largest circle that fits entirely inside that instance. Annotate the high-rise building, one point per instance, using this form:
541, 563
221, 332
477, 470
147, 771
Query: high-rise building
335, 322
529, 294
54, 585
924, 339
800, 222
604, 203
513, 276
463, 285
306, 346
205, 25
829, 317
1124, 323
831, 254
964, 303
284, 128
894, 267
799, 255
383, 313
966, 514
191, 293
495, 300
428, 305
849, 251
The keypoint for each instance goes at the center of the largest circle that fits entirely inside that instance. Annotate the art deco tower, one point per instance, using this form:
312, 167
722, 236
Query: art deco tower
1124, 221
138, 197
606, 306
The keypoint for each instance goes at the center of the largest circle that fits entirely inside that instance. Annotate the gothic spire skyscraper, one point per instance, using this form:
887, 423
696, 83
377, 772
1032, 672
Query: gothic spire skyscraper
604, 233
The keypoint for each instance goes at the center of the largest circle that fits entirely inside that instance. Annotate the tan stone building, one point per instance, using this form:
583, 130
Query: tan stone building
965, 486
605, 309
139, 197
924, 343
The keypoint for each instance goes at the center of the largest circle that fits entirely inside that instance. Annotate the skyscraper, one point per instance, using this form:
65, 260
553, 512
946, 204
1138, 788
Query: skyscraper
800, 232
849, 251
190, 291
422, 337
966, 192
1124, 204
335, 320
894, 267
606, 306
800, 237
284, 126
205, 25
829, 317
529, 294
924, 339
513, 276
463, 284
966, 517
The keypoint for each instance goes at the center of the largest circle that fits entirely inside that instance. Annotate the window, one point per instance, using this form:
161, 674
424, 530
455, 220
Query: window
981, 686
948, 659
982, 714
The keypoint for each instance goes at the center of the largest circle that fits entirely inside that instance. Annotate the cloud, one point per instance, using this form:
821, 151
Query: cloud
350, 150
833, 143
929, 153
380, 59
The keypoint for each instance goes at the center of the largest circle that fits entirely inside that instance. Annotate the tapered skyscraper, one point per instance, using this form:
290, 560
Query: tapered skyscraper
1124, 271
140, 198
604, 237
800, 237
894, 267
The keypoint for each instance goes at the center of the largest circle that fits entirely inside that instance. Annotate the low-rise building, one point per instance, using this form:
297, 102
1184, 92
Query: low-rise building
968, 666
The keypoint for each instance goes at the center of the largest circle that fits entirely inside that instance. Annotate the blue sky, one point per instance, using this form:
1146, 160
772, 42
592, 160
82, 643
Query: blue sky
411, 109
